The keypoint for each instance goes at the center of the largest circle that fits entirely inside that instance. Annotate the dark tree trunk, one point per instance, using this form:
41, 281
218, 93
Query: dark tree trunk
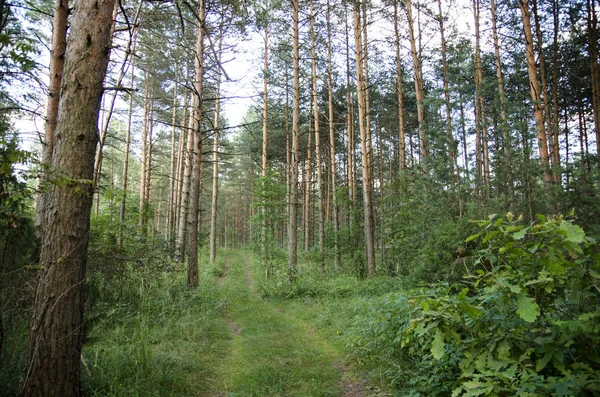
56, 332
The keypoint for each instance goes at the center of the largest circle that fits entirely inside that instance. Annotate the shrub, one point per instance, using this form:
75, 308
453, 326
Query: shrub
524, 323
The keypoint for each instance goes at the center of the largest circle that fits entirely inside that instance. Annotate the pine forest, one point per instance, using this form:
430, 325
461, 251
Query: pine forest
299, 198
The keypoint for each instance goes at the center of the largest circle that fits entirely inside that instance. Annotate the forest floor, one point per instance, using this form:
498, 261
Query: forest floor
274, 351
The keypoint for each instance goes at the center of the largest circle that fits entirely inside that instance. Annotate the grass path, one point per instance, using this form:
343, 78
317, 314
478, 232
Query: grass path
273, 352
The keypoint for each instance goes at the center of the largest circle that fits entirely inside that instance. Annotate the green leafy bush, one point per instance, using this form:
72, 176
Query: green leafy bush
524, 323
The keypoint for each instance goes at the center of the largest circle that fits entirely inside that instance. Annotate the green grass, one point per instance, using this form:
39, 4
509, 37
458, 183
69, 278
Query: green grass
164, 341
274, 354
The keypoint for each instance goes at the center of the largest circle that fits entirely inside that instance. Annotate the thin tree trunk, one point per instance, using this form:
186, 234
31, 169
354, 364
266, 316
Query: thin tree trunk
545, 96
182, 156
401, 138
333, 167
535, 91
56, 330
215, 184
454, 183
192, 275
265, 139
555, 106
308, 185
367, 205
144, 150
60, 23
292, 229
172, 164
418, 87
187, 183
592, 24
507, 148
479, 114
315, 95
126, 155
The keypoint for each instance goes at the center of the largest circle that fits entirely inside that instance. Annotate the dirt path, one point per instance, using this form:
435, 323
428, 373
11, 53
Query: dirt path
273, 352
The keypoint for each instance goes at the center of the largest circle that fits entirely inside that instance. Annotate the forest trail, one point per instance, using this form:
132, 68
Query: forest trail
273, 352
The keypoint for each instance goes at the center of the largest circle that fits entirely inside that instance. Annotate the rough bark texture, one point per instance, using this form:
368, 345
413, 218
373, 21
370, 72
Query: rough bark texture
192, 265
535, 91
126, 154
186, 186
293, 209
60, 24
367, 205
56, 332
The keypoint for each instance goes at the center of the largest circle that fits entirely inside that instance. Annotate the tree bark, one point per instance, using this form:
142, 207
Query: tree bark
60, 24
186, 185
506, 147
56, 331
293, 210
424, 145
360, 87
315, 94
535, 91
399, 94
265, 138
454, 183
192, 274
172, 163
333, 167
126, 155
215, 185
592, 25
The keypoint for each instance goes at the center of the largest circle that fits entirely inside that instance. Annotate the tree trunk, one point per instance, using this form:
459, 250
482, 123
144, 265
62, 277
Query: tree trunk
265, 139
293, 210
60, 24
592, 24
172, 164
418, 87
56, 331
507, 149
553, 158
192, 275
182, 156
535, 91
145, 128
215, 184
315, 94
333, 167
454, 183
401, 138
186, 184
479, 109
360, 87
126, 155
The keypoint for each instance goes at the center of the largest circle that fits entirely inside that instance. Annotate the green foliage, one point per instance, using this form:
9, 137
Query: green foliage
524, 323
147, 334
342, 286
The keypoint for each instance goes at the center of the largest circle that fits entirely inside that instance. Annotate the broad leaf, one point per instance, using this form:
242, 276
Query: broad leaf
437, 345
528, 310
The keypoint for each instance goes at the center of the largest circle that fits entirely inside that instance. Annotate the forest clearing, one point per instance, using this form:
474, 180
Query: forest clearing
299, 198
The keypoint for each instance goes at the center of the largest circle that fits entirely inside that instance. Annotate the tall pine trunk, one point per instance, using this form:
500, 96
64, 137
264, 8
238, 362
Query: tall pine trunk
364, 136
535, 91
56, 331
192, 264
293, 209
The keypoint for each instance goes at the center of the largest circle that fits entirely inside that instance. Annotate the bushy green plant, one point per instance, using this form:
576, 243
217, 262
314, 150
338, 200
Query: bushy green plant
524, 323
